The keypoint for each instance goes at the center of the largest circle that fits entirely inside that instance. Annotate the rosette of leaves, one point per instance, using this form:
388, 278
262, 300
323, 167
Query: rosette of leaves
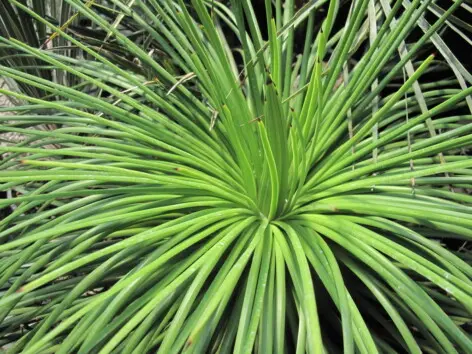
264, 197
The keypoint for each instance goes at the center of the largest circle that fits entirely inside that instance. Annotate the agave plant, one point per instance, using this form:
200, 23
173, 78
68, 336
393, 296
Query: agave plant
242, 193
